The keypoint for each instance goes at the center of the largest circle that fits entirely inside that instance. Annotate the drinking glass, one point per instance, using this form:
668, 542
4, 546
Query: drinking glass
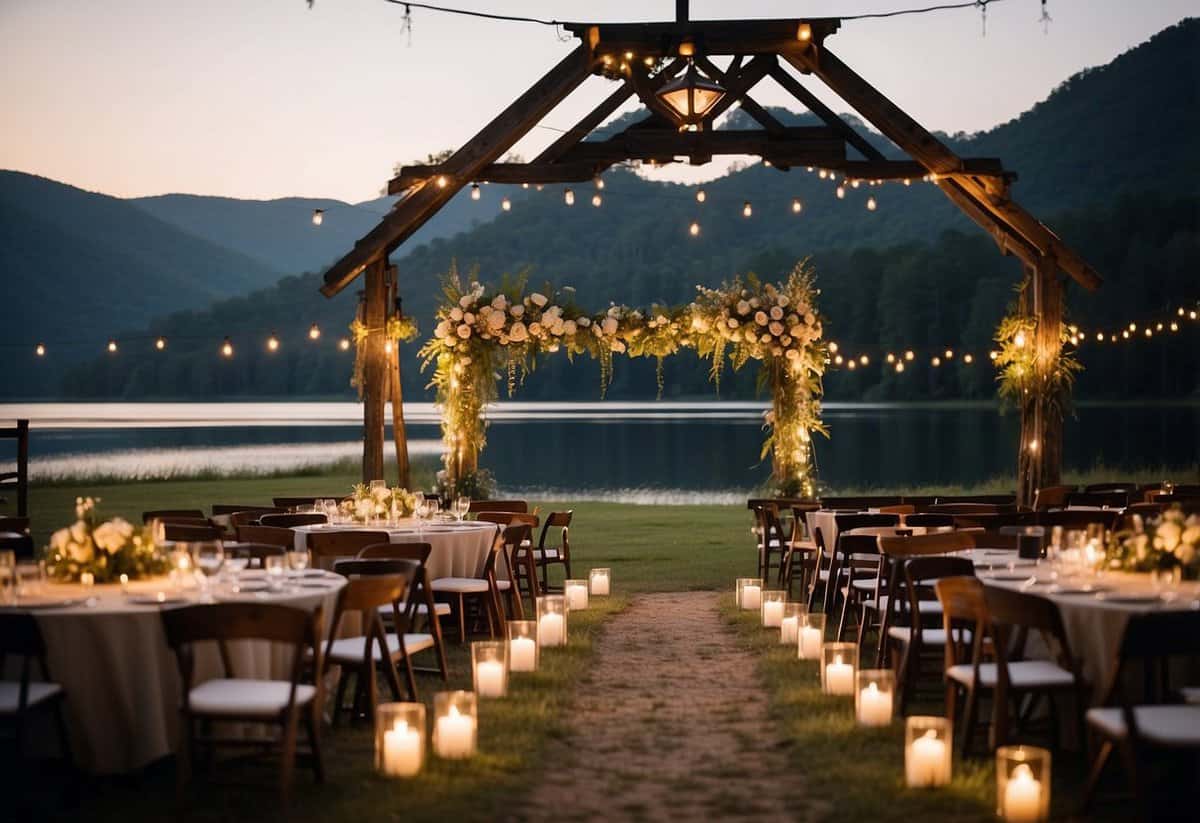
208, 556
1165, 580
274, 565
29, 576
298, 560
462, 506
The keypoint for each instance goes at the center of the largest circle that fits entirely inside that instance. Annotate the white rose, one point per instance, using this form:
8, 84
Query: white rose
810, 318
1168, 535
466, 300
796, 331
468, 318
380, 493
569, 328
441, 330
518, 332
584, 322
495, 320
776, 328
464, 331
80, 552
609, 325
760, 318
776, 313
108, 538
79, 531
535, 329
766, 338
743, 307
783, 300
58, 540
786, 340
538, 299
618, 346
733, 323
792, 354
456, 314
364, 508
517, 310
754, 302
499, 302
776, 350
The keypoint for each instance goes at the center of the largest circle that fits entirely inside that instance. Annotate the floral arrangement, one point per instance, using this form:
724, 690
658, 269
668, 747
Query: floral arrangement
399, 329
368, 503
482, 332
105, 549
1173, 540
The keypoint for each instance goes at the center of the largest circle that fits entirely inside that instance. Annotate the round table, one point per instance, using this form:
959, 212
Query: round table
459, 549
108, 651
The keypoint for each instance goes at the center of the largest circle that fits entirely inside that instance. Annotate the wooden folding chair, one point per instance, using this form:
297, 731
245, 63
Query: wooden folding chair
419, 600
325, 547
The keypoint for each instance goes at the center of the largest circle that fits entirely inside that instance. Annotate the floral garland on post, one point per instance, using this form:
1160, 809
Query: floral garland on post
398, 330
482, 332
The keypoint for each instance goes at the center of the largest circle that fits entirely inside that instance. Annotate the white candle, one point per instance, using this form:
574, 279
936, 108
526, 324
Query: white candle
401, 751
926, 762
489, 678
600, 583
751, 597
839, 677
124, 584
772, 613
1022, 796
810, 643
87, 578
874, 706
788, 630
550, 630
522, 654
577, 596
455, 737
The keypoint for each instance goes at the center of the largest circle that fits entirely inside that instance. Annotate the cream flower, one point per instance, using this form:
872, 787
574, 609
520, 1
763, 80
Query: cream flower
760, 318
58, 540
456, 314
776, 328
499, 302
468, 318
538, 299
518, 333
776, 313
535, 329
517, 310
464, 331
466, 300
495, 320
609, 326
108, 537
441, 330
743, 307
569, 328
584, 322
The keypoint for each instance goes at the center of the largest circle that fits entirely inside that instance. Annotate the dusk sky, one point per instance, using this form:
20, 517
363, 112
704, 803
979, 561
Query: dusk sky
266, 98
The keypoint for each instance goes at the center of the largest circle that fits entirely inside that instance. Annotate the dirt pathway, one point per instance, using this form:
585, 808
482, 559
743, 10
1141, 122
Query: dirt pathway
671, 724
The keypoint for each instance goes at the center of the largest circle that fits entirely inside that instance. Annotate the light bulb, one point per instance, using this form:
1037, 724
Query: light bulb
227, 348
569, 197
40, 350
344, 344
908, 355
599, 183
841, 192
891, 358
838, 359
475, 193
1174, 326
160, 343
112, 346
318, 217
701, 197
694, 229
871, 204
796, 205
1099, 337
907, 182
949, 353
833, 346
866, 361
993, 354
899, 368
387, 347
747, 210
1019, 340
936, 361
441, 181
314, 332
272, 342
851, 364
597, 199
822, 174
506, 204
968, 358
804, 33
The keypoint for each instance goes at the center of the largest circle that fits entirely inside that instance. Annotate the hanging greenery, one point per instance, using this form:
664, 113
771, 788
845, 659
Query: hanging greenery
1024, 372
485, 331
398, 330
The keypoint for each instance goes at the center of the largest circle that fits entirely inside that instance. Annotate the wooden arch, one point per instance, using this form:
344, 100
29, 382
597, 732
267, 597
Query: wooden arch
788, 51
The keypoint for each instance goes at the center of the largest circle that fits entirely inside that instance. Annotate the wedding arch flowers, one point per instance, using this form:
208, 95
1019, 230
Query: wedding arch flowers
484, 331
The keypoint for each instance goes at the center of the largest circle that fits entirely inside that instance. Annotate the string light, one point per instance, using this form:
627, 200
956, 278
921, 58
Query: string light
694, 229
1019, 340
314, 332
112, 346
747, 210
344, 344
160, 343
909, 355
841, 192
899, 368
597, 199
833, 347
936, 361
600, 183
891, 358
866, 361
272, 343
796, 205
40, 350
506, 204
701, 197
318, 217
871, 204
441, 181
227, 348
387, 347
475, 192
949, 354
852, 364
968, 358
569, 197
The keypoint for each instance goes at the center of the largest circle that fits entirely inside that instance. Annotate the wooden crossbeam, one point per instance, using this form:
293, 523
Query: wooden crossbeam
798, 145
737, 83
485, 148
828, 116
712, 37
924, 147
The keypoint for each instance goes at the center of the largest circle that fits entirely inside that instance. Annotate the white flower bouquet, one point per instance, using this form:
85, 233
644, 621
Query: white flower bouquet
107, 549
1170, 541
367, 503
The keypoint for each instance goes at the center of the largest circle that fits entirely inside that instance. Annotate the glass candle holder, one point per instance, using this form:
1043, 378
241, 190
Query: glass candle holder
749, 593
771, 611
455, 724
552, 621
874, 697
600, 582
1022, 784
399, 739
489, 667
812, 636
576, 592
789, 624
927, 744
522, 646
838, 664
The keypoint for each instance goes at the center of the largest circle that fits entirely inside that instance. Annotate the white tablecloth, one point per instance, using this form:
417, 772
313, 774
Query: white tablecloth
458, 550
121, 679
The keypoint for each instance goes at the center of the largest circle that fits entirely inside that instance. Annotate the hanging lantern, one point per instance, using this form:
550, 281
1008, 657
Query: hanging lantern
691, 96
318, 216
569, 197
314, 332
475, 193
747, 210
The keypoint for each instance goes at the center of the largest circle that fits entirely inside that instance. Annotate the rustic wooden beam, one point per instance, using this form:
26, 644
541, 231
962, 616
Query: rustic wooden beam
708, 36
483, 149
375, 371
737, 85
798, 145
924, 147
396, 388
1039, 457
827, 115
884, 169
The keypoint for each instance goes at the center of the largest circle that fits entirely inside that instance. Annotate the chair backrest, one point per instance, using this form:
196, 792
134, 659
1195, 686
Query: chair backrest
190, 534
328, 546
1051, 497
250, 518
20, 636
769, 526
256, 551
16, 525
1078, 518
1019, 610
234, 508
162, 514
898, 508
963, 607
269, 535
997, 540
1152, 637
508, 518
920, 576
413, 552
846, 522
929, 521
557, 520
972, 508
926, 544
860, 503
1109, 500
518, 506
288, 521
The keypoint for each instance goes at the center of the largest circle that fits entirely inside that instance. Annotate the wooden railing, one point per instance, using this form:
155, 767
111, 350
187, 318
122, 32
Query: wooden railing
20, 478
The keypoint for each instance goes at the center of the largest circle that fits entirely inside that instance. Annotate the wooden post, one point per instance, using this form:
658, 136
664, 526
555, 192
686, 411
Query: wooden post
375, 371
1039, 462
399, 432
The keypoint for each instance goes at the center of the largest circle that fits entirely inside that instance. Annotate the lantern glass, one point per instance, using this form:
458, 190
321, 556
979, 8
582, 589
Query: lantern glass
399, 739
576, 592
812, 636
455, 724
874, 697
927, 745
838, 664
790, 623
552, 620
600, 582
522, 646
749, 593
771, 612
489, 667
691, 96
1022, 784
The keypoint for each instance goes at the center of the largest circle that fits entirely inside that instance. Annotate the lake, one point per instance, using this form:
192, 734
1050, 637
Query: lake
645, 451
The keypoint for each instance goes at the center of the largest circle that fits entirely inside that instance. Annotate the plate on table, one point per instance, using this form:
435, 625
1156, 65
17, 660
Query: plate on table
1074, 588
1008, 577
250, 586
151, 600
44, 603
1129, 598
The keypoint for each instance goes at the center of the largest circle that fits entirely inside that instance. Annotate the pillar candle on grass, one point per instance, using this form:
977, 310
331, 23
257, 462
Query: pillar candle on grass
927, 751
600, 582
522, 645
789, 624
838, 662
772, 608
489, 664
552, 620
812, 636
1022, 784
454, 730
399, 739
873, 697
576, 592
748, 593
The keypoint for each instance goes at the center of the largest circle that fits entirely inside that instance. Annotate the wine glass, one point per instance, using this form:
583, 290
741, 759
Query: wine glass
208, 556
462, 506
298, 560
274, 565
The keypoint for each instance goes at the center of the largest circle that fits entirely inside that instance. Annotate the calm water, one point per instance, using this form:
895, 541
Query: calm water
647, 451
